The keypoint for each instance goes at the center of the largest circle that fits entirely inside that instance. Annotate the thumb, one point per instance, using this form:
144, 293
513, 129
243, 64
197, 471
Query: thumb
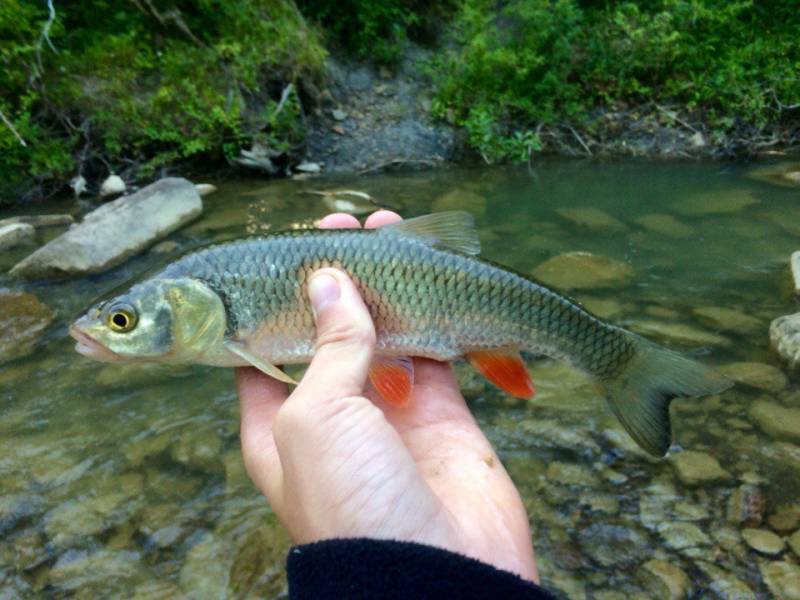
345, 339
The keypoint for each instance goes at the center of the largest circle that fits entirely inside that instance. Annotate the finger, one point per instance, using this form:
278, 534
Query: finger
260, 398
382, 217
339, 221
345, 339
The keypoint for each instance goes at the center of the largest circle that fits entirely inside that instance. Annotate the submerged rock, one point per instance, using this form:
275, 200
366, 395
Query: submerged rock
591, 218
461, 199
724, 584
612, 545
786, 519
785, 174
206, 571
716, 203
665, 225
698, 468
678, 333
39, 220
782, 579
583, 270
23, 320
746, 506
728, 319
758, 375
664, 580
784, 338
777, 421
794, 543
682, 535
116, 231
16, 234
763, 541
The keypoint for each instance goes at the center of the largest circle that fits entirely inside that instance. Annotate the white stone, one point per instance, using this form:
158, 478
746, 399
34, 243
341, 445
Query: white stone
795, 262
308, 167
112, 185
205, 189
16, 234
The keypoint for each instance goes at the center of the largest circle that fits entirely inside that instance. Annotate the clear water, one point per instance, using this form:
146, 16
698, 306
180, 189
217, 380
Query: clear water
120, 479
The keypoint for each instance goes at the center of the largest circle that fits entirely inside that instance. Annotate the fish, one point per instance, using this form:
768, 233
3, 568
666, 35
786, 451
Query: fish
245, 302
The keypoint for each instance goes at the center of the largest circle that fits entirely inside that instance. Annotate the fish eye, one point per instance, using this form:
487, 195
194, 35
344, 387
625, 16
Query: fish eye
122, 318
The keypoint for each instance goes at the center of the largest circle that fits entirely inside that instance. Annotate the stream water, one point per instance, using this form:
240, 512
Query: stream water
128, 480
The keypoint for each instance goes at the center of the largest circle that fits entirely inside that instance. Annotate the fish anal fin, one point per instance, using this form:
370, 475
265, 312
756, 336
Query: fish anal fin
451, 229
393, 378
265, 367
504, 368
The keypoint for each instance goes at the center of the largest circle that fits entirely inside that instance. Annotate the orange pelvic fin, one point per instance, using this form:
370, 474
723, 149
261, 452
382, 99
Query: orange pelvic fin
505, 369
393, 378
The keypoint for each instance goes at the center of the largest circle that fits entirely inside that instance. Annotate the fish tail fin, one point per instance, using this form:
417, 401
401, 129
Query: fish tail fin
641, 393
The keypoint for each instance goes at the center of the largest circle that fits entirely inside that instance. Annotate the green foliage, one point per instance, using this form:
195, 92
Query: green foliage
376, 30
150, 82
522, 63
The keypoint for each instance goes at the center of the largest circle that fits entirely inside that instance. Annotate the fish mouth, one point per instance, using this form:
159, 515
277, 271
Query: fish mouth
90, 347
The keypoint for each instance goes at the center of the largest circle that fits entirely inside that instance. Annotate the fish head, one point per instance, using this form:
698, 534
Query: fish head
161, 320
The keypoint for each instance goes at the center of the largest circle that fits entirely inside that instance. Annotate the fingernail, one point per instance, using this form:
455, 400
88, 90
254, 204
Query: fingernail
322, 290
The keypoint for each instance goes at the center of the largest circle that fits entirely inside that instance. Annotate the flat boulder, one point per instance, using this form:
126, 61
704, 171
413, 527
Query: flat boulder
115, 231
588, 217
583, 270
16, 234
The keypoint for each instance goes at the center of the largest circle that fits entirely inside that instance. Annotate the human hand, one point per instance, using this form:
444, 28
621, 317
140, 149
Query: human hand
335, 464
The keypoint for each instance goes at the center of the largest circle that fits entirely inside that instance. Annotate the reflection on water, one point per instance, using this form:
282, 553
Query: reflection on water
129, 478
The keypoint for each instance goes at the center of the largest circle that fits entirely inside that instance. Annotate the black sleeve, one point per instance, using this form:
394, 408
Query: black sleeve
382, 569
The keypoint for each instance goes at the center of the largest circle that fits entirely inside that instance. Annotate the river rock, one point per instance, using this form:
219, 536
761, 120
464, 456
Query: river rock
763, 541
794, 543
16, 234
784, 338
206, 571
728, 319
570, 474
746, 506
724, 584
682, 535
757, 375
794, 263
116, 231
665, 225
39, 220
698, 468
782, 579
583, 270
588, 217
664, 580
104, 573
205, 189
716, 203
461, 199
23, 320
786, 519
112, 186
785, 174
612, 545
777, 421
678, 333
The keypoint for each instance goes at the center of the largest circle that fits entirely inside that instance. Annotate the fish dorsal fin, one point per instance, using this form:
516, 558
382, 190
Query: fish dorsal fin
454, 230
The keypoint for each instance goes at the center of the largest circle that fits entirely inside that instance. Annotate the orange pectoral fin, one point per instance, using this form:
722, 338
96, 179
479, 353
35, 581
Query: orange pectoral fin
505, 369
393, 378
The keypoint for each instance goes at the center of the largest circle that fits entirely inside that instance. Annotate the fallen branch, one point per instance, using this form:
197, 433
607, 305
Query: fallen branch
13, 129
45, 36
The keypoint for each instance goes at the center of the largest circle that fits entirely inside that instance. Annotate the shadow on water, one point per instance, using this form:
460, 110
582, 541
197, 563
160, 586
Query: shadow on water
129, 478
